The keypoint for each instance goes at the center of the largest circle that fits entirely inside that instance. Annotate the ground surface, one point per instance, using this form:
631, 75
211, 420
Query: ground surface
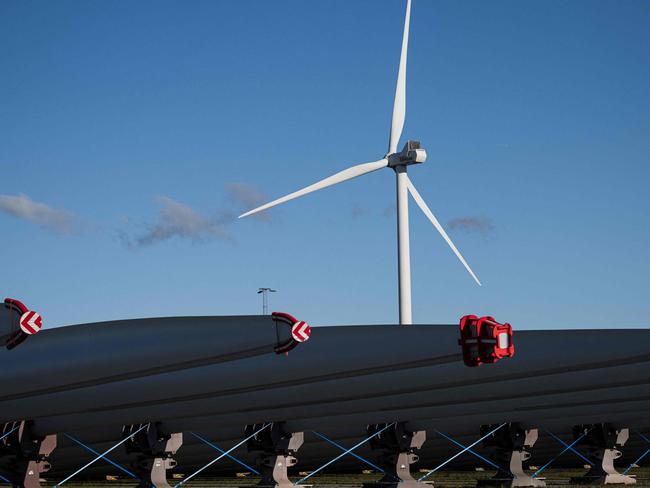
442, 479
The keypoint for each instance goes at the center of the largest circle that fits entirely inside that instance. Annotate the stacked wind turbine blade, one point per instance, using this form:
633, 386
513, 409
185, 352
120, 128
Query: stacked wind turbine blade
399, 105
341, 176
423, 206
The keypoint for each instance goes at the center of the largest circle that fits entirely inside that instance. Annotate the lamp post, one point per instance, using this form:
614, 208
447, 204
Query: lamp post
265, 298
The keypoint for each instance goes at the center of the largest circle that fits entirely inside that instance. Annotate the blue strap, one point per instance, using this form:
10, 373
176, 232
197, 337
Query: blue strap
10, 432
491, 463
461, 452
575, 451
347, 451
218, 449
88, 448
563, 451
101, 456
342, 448
638, 460
224, 454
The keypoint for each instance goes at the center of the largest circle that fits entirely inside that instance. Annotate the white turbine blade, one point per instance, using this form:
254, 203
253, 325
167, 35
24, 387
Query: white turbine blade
399, 105
346, 174
421, 203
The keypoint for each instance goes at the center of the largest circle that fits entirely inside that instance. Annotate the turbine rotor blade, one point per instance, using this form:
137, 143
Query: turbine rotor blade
423, 206
399, 105
341, 176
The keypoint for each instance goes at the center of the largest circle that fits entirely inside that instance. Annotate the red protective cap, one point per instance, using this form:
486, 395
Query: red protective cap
300, 332
17, 304
484, 340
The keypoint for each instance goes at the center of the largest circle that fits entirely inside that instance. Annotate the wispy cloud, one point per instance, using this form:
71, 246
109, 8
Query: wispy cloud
246, 197
52, 219
179, 220
481, 225
389, 211
358, 211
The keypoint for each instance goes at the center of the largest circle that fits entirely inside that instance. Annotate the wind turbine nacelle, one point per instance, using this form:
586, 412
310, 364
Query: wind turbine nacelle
418, 155
411, 153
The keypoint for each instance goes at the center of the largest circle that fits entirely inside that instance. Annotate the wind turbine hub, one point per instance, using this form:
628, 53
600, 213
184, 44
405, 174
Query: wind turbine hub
411, 153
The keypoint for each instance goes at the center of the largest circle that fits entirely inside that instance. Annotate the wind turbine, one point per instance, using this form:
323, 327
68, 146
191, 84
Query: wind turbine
411, 153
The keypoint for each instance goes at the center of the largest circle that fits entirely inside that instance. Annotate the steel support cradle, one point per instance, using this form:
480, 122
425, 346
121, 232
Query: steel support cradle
275, 448
23, 454
397, 447
601, 444
511, 446
151, 451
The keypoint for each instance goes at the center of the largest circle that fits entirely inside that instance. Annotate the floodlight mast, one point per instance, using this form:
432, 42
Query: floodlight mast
411, 153
265, 298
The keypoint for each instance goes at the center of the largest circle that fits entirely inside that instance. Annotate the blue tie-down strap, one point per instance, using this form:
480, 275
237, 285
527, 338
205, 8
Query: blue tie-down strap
229, 456
222, 455
96, 453
573, 450
641, 457
100, 456
344, 449
461, 452
567, 448
482, 458
344, 453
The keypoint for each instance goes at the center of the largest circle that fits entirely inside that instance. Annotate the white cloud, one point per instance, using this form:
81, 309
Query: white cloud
246, 197
179, 220
23, 207
481, 225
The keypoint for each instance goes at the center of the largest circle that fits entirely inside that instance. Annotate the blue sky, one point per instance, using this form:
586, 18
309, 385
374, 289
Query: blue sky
131, 133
